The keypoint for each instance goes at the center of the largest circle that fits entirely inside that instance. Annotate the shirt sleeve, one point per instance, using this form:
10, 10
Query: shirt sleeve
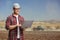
7, 23
22, 22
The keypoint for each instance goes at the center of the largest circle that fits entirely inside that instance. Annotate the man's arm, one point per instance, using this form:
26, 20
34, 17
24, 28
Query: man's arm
22, 22
8, 26
12, 27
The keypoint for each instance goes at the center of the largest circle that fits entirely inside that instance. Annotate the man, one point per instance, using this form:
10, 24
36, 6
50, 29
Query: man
14, 24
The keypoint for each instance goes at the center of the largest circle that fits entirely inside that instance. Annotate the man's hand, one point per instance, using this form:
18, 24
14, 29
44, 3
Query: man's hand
19, 25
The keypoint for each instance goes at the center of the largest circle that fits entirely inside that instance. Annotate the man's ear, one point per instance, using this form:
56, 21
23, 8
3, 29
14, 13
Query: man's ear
13, 8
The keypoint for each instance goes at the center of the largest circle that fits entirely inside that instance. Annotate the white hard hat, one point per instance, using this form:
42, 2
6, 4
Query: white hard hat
16, 5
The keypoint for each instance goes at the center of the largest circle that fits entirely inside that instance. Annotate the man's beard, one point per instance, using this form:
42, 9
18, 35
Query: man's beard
16, 13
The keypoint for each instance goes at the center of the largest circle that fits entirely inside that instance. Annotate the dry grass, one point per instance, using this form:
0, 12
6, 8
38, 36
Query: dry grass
34, 35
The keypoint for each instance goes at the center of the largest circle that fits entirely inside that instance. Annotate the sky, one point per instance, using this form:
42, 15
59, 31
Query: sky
32, 9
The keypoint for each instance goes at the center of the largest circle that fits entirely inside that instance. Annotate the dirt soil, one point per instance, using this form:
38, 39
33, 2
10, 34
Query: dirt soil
35, 35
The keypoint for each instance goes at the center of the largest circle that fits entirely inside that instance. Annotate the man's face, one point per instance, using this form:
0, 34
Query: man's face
16, 10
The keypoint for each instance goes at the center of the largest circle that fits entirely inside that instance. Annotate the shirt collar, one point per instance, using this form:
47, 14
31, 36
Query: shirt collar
14, 16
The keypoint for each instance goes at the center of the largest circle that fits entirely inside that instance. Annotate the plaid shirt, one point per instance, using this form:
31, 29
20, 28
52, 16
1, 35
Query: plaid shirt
11, 20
